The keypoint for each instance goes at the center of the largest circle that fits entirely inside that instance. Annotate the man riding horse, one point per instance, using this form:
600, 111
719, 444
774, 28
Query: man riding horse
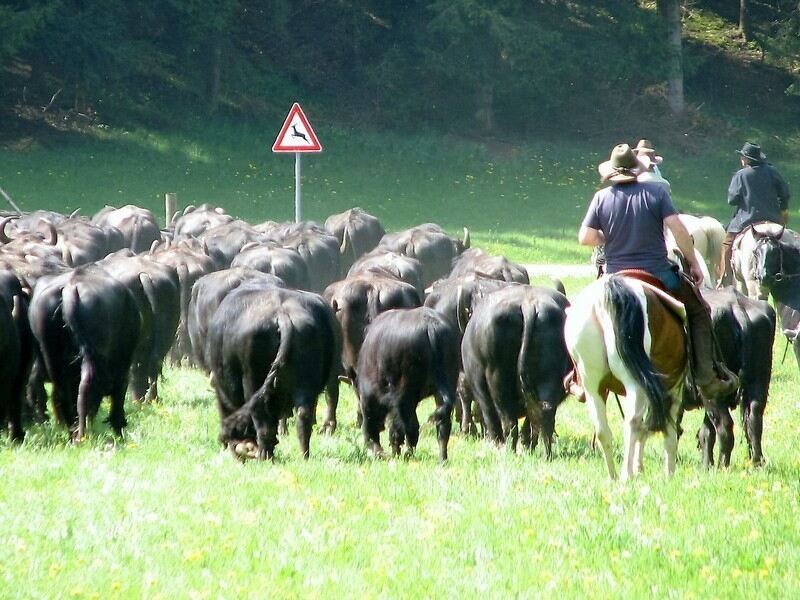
759, 193
628, 217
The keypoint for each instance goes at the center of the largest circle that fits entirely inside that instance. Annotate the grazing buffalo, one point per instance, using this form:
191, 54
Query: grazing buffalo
357, 232
745, 332
271, 351
207, 294
515, 361
357, 301
138, 226
392, 264
87, 326
475, 260
430, 245
407, 355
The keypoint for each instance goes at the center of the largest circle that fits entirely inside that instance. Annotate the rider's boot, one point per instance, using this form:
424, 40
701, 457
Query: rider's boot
726, 276
711, 376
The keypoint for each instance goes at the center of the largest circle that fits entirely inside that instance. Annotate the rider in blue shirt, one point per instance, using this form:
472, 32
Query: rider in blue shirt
629, 217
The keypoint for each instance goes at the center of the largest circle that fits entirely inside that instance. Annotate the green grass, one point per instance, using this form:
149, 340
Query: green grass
169, 514
522, 200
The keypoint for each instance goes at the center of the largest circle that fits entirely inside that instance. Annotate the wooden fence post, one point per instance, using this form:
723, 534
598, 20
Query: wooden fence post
170, 207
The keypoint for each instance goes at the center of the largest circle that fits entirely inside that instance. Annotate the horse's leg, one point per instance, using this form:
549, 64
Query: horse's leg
597, 411
638, 455
634, 408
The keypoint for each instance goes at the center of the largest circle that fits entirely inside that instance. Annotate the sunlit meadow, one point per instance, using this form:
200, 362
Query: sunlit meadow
167, 513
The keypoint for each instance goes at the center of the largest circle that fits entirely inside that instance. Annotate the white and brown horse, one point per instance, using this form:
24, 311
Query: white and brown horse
627, 336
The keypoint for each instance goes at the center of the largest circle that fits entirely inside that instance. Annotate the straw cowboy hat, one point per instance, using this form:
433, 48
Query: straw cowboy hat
645, 149
752, 152
622, 167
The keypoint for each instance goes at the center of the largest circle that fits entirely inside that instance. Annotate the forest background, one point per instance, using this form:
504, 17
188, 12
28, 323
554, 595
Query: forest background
506, 70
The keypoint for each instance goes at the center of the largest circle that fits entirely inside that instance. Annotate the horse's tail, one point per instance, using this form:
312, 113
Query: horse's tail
627, 320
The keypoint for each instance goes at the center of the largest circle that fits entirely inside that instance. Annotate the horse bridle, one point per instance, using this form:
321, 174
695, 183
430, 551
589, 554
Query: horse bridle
779, 275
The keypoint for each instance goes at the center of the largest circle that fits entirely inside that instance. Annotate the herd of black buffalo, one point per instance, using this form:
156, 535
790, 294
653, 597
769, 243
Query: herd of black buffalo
277, 314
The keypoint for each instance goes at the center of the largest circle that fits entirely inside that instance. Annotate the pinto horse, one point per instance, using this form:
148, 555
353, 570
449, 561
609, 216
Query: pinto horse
627, 336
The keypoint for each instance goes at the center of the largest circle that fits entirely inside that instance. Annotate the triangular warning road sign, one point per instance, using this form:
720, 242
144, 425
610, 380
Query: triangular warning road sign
296, 134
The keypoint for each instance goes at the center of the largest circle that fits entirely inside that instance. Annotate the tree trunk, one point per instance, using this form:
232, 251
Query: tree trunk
215, 75
744, 19
671, 12
484, 113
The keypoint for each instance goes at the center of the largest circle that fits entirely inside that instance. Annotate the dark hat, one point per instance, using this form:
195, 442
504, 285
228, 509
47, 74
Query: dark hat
752, 152
622, 167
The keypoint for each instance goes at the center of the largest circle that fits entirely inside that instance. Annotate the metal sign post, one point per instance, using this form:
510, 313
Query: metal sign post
297, 136
298, 195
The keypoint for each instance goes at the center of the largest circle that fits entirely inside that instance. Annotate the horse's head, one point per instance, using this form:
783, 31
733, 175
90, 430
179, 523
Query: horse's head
773, 259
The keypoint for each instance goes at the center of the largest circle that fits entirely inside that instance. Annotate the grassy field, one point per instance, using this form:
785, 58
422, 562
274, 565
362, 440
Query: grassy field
521, 200
168, 514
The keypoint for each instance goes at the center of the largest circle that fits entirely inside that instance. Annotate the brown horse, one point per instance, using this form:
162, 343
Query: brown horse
627, 336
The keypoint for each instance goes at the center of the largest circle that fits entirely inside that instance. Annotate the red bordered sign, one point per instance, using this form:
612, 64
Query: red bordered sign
296, 134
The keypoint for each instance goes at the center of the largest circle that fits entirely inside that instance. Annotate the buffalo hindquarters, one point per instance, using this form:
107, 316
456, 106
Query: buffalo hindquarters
271, 352
407, 355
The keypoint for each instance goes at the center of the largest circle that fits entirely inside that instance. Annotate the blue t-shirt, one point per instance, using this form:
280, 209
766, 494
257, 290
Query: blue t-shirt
631, 217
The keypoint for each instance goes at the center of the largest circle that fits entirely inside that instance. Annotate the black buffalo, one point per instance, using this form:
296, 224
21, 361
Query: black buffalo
391, 264
156, 289
271, 258
357, 301
430, 245
515, 361
271, 351
207, 294
86, 324
407, 355
745, 332
357, 232
190, 261
195, 220
475, 260
226, 240
138, 226
16, 352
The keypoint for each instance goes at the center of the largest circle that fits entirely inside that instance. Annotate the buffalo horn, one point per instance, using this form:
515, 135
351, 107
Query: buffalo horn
249, 245
74, 213
3, 235
466, 238
188, 209
462, 310
52, 239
